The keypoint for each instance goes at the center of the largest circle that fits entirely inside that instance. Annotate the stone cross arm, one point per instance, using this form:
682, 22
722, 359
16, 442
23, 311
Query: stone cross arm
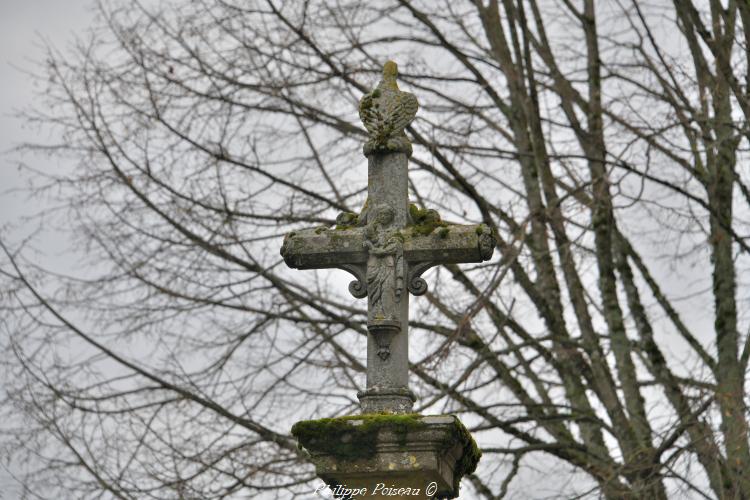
423, 247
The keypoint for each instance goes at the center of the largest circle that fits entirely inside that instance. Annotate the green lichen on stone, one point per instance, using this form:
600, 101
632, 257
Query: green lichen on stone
424, 220
415, 212
337, 240
351, 220
469, 460
343, 438
346, 227
292, 244
346, 221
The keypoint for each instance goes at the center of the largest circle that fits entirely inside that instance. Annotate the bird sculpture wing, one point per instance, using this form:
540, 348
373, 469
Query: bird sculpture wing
369, 113
387, 113
399, 111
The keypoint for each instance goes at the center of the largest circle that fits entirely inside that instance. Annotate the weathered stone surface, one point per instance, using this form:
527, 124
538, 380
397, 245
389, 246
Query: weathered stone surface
319, 248
395, 451
314, 248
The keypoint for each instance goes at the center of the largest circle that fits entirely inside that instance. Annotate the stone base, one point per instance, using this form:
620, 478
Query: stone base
390, 456
377, 400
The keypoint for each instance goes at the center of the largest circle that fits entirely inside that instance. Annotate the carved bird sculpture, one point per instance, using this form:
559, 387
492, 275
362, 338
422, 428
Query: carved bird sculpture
386, 112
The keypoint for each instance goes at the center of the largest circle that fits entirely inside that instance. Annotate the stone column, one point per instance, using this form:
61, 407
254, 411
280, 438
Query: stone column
387, 343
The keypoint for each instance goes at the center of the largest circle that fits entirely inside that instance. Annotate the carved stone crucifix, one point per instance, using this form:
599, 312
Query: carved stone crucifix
387, 246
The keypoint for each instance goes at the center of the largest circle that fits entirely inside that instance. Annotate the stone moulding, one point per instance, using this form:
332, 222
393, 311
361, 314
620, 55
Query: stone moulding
402, 450
377, 400
384, 331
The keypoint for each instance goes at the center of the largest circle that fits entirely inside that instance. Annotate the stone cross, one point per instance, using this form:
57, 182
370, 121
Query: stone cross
387, 246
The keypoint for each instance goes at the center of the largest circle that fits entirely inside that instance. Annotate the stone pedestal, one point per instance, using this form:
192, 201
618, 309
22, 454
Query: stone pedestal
390, 456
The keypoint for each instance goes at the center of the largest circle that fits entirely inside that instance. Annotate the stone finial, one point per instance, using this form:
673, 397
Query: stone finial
386, 112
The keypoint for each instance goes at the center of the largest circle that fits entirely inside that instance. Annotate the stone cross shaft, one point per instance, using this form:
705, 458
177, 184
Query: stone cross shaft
387, 246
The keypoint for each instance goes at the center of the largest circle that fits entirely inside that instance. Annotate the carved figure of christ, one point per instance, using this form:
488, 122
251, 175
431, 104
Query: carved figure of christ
387, 247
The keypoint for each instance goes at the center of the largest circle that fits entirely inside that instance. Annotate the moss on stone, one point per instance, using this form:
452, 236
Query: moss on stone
469, 460
414, 211
424, 221
366, 103
347, 220
479, 230
443, 233
343, 438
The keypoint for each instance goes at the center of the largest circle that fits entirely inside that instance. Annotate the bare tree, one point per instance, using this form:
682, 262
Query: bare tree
602, 142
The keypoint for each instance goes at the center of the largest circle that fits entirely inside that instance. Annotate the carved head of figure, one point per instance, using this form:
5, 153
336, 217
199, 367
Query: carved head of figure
390, 72
378, 219
384, 215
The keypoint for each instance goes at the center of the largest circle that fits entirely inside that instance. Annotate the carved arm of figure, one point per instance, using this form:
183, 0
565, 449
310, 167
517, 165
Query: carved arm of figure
381, 251
391, 246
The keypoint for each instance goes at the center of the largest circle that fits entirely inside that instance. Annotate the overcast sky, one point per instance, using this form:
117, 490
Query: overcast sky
23, 23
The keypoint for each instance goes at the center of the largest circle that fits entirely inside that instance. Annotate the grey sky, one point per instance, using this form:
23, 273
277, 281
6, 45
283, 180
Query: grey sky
23, 24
